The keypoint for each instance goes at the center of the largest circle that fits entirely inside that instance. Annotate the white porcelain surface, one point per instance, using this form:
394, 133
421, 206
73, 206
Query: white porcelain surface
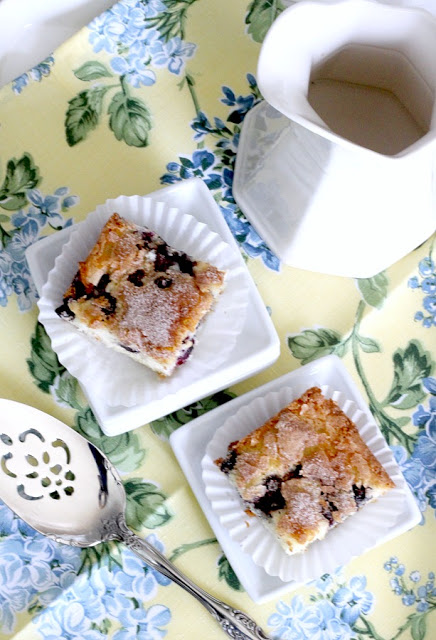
257, 348
190, 442
352, 194
391, 48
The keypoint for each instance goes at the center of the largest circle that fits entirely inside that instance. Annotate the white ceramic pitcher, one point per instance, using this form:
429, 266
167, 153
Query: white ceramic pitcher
338, 176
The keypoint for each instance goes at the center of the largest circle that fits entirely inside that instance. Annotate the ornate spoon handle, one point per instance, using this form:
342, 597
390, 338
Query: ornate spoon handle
235, 623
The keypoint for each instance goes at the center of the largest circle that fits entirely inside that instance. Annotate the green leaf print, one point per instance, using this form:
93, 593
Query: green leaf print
21, 175
163, 427
410, 366
225, 572
374, 290
171, 22
311, 344
105, 554
92, 70
130, 120
83, 114
369, 345
66, 389
145, 505
261, 14
124, 451
43, 362
418, 627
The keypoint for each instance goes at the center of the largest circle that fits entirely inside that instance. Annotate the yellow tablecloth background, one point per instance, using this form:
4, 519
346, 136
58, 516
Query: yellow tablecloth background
102, 167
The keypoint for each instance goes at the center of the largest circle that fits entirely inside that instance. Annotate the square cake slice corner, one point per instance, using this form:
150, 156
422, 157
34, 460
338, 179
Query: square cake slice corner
305, 470
140, 296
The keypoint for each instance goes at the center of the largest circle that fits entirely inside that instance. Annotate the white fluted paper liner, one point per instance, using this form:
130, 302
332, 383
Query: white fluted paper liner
123, 381
357, 534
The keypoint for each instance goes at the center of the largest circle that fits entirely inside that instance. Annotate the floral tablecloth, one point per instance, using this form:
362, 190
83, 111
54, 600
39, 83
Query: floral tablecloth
150, 93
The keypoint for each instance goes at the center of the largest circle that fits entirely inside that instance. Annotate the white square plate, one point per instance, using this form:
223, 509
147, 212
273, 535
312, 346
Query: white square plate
257, 348
190, 441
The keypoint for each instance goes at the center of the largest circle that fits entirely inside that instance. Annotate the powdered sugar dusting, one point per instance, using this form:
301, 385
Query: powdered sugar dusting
152, 315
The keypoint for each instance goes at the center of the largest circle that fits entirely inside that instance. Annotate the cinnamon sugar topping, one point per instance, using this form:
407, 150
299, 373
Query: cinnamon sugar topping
305, 470
141, 296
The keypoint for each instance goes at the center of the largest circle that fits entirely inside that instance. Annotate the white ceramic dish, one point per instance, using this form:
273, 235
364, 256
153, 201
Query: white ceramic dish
330, 179
122, 380
274, 185
257, 348
350, 539
190, 442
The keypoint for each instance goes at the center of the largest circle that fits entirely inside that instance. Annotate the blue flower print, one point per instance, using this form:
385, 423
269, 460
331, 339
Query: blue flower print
24, 236
353, 600
14, 595
134, 70
27, 226
396, 586
20, 83
143, 624
42, 69
137, 580
255, 247
425, 449
199, 166
419, 469
123, 31
131, 16
37, 73
426, 281
35, 572
330, 623
412, 594
243, 104
5, 281
250, 240
215, 168
425, 417
294, 621
33, 569
408, 599
69, 622
172, 54
106, 583
204, 165
48, 208
105, 31
72, 616
415, 474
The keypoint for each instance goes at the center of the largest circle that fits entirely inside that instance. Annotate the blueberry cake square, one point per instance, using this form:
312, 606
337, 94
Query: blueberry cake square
305, 470
141, 297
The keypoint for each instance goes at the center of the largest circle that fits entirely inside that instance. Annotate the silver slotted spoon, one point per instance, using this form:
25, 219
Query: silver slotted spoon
67, 489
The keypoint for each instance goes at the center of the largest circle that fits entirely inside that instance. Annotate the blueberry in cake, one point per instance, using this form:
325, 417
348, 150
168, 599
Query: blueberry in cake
305, 470
139, 296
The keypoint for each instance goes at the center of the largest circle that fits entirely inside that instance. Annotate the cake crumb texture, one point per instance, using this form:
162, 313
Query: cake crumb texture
141, 296
305, 470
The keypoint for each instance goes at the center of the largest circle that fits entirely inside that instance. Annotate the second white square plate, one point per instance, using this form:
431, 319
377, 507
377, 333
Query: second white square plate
190, 442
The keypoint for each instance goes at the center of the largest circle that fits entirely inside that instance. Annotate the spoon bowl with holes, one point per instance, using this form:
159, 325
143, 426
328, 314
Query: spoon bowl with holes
65, 488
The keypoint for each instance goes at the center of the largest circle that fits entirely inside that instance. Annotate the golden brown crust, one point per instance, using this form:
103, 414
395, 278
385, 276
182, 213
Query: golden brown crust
310, 463
146, 296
